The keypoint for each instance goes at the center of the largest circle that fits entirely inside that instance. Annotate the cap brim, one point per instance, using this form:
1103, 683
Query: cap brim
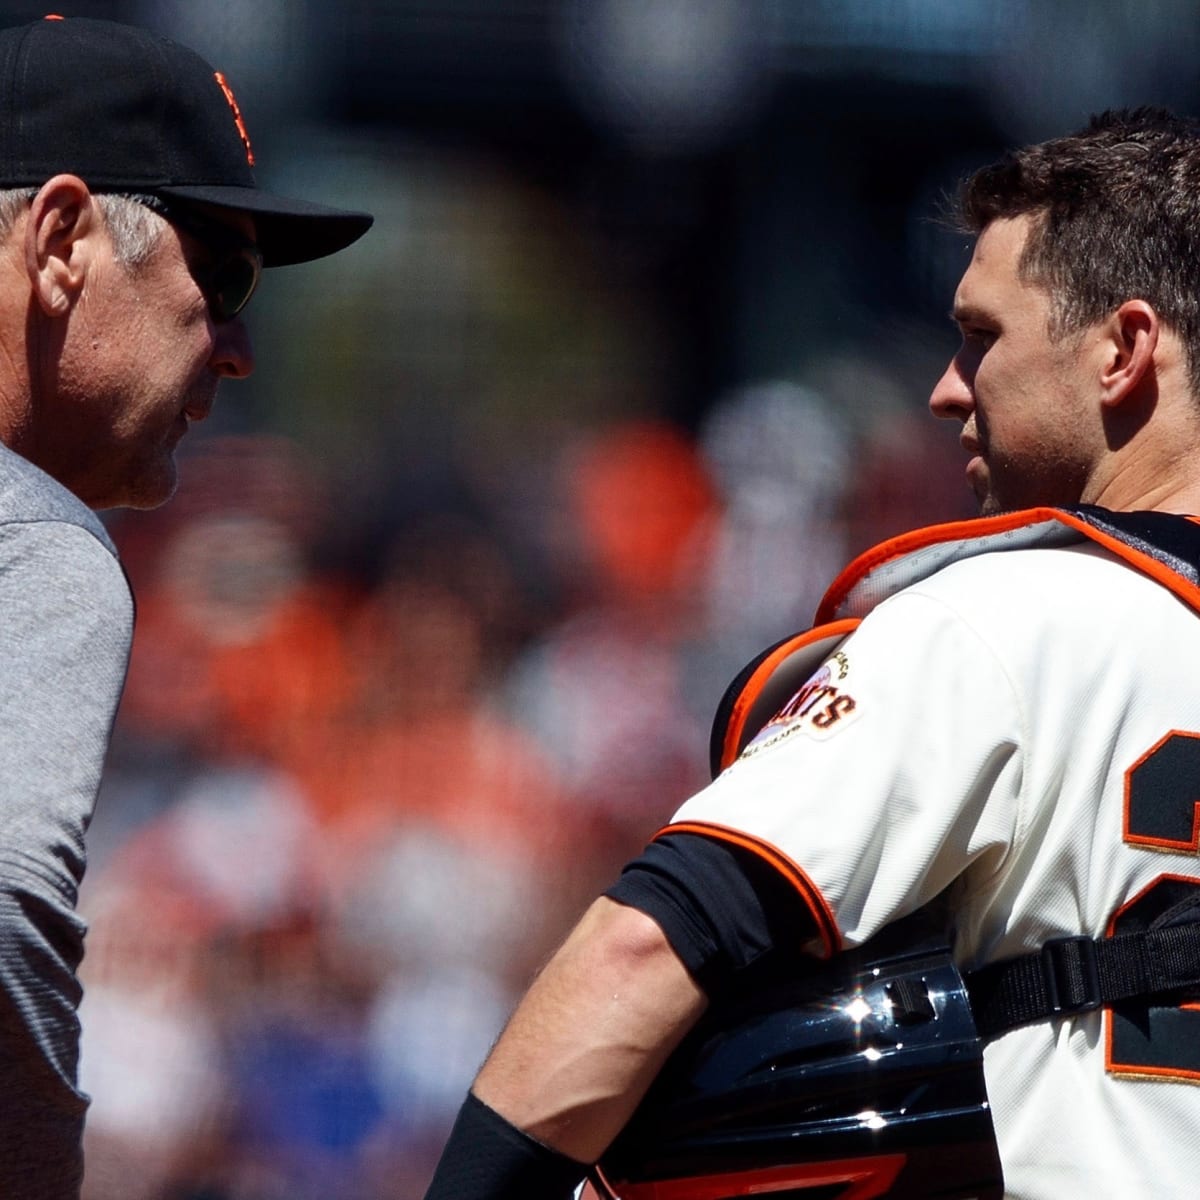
287, 230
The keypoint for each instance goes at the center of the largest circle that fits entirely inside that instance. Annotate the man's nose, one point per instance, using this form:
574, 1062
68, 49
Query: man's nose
952, 397
233, 352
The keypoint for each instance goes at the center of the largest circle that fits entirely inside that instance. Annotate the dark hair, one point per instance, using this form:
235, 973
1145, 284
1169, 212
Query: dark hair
1117, 208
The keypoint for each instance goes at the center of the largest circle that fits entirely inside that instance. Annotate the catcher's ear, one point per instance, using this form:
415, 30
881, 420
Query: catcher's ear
1130, 340
62, 229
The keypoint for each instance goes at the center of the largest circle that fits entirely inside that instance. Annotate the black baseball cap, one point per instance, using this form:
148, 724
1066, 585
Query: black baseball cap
129, 111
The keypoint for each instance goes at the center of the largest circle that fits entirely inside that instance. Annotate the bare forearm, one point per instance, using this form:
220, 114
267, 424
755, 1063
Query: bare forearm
591, 1033
577, 1056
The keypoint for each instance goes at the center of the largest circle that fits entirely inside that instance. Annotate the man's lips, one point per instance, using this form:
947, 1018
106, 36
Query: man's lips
198, 407
971, 444
976, 469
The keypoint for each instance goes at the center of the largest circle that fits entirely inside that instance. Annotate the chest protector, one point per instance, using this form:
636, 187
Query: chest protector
865, 1078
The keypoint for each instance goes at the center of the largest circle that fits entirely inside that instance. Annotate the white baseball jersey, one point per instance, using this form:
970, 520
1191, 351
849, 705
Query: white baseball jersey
1010, 709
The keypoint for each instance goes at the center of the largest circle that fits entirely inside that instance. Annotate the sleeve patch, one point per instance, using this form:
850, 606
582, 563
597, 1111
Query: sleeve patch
822, 707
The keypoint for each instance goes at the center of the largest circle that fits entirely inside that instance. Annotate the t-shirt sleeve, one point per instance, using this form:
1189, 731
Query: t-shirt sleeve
722, 910
65, 629
895, 772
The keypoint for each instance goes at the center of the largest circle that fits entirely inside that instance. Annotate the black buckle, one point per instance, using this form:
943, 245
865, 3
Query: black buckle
1071, 973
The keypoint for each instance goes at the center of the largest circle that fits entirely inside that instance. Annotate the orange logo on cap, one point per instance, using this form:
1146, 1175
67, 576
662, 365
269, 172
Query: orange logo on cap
237, 115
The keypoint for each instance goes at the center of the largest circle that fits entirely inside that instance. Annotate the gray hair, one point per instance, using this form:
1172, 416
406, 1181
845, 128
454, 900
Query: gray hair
135, 229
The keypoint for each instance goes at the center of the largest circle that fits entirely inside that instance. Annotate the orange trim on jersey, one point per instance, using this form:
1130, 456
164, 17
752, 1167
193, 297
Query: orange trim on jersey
1128, 1071
1172, 845
1159, 1073
818, 906
865, 1179
1111, 928
730, 744
917, 539
977, 527
1151, 566
1143, 1070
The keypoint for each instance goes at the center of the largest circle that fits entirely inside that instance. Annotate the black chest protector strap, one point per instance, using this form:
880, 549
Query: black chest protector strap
1073, 975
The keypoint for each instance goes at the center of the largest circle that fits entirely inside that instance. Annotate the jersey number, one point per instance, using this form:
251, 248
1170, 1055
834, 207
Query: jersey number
1162, 812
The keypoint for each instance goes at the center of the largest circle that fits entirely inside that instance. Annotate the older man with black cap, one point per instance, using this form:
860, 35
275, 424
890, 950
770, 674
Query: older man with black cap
132, 234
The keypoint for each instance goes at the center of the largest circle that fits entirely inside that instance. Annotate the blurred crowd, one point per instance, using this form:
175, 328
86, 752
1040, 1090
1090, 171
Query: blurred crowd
351, 807
429, 643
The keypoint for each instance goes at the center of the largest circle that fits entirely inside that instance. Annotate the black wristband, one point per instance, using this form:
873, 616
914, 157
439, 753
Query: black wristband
488, 1158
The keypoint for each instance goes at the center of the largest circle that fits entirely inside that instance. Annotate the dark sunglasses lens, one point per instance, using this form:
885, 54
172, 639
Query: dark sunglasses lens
231, 283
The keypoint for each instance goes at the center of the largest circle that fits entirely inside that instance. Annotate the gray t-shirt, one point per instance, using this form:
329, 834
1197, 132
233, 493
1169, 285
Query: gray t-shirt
66, 623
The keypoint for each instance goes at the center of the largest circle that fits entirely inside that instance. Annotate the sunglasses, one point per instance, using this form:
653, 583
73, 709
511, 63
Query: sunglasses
235, 263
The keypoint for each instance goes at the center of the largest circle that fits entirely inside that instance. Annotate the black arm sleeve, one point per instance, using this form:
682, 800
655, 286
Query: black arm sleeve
488, 1158
722, 909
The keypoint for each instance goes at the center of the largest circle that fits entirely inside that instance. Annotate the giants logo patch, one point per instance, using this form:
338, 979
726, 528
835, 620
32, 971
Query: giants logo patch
821, 708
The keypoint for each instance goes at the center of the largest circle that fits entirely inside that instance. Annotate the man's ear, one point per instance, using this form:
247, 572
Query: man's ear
59, 242
1130, 341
